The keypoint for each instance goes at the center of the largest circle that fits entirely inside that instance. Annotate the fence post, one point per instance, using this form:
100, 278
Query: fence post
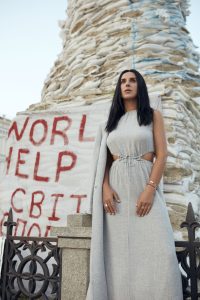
189, 256
74, 240
9, 224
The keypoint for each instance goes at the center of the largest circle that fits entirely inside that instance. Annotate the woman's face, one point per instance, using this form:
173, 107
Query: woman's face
129, 86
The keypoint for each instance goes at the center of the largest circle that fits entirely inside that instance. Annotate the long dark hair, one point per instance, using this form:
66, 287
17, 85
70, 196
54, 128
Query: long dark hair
117, 109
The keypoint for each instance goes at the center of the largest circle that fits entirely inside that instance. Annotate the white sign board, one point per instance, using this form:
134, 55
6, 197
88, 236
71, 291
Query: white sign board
47, 168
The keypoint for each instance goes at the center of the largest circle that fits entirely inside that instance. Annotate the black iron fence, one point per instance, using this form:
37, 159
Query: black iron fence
189, 257
31, 267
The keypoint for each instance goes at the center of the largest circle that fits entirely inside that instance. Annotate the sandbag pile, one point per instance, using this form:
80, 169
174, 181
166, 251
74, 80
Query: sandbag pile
103, 37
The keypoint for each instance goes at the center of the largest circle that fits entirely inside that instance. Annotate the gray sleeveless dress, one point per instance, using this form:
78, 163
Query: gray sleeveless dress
139, 252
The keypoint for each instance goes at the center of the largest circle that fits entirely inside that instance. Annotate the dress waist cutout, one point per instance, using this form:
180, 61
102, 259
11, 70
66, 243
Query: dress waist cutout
134, 157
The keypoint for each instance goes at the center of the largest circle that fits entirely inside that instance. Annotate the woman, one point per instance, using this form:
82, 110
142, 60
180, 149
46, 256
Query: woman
134, 257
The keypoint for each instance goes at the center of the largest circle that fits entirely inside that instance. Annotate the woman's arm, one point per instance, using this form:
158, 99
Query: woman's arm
160, 143
107, 168
109, 195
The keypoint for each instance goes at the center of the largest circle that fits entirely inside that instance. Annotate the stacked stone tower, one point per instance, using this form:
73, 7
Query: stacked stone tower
103, 37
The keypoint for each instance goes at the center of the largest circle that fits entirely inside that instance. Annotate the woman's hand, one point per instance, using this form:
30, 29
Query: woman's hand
109, 196
145, 201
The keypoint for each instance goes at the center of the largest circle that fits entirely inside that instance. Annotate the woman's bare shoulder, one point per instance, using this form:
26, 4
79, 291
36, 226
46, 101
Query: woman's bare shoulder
157, 114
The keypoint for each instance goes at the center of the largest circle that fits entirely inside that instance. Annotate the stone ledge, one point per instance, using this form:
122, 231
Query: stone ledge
75, 232
79, 220
74, 243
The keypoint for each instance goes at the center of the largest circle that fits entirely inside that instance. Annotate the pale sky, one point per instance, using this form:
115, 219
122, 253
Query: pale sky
30, 43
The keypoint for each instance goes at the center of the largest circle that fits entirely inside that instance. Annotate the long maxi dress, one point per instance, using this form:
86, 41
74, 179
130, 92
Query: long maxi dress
138, 256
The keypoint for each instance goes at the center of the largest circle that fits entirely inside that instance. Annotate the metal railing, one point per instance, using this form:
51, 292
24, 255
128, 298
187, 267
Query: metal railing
189, 257
31, 267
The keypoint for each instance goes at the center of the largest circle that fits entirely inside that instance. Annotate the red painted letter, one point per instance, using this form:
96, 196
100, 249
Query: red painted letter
36, 204
61, 168
45, 129
48, 228
24, 223
79, 197
8, 159
35, 173
15, 128
81, 132
62, 132
21, 162
53, 216
31, 228
17, 210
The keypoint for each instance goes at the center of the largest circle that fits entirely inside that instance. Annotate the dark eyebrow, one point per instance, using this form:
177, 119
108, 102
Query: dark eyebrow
130, 78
